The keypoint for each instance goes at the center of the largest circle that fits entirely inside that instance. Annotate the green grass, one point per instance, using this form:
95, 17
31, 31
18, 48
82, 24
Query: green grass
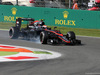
41, 52
64, 30
2, 53
6, 25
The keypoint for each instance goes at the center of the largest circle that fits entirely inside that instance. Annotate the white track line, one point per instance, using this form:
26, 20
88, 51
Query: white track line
41, 56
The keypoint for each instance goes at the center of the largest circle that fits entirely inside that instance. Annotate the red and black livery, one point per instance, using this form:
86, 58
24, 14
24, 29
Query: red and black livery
38, 29
48, 36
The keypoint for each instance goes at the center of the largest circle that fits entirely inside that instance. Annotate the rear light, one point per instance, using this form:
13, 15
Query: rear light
32, 1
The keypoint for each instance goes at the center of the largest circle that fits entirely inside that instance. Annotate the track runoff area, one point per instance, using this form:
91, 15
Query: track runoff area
10, 53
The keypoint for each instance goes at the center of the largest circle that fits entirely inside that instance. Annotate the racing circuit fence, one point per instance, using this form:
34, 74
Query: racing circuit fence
52, 16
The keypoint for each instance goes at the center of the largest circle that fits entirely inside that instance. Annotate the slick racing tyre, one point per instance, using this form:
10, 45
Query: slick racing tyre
70, 35
43, 37
14, 32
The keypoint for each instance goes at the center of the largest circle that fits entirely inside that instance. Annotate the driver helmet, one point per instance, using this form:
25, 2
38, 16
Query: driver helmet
36, 23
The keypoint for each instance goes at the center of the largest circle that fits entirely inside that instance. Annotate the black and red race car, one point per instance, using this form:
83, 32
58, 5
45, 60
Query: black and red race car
38, 29
96, 6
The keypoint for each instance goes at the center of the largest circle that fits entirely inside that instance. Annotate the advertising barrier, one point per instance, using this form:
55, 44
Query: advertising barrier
52, 16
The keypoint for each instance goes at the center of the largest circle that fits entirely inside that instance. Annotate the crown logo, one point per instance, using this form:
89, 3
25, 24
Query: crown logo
14, 10
65, 14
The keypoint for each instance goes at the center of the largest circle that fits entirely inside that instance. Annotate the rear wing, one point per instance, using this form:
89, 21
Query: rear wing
19, 20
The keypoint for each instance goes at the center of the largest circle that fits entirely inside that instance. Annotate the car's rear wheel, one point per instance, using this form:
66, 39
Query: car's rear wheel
43, 37
14, 32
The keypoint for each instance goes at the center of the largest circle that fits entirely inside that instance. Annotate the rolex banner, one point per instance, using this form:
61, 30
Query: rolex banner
52, 16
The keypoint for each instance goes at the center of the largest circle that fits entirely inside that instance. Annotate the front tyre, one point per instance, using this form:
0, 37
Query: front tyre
43, 37
71, 37
14, 33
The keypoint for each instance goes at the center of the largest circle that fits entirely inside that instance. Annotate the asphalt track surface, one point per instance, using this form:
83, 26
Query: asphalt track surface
75, 60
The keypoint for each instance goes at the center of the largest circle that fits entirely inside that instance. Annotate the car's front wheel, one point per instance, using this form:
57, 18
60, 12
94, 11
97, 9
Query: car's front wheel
71, 37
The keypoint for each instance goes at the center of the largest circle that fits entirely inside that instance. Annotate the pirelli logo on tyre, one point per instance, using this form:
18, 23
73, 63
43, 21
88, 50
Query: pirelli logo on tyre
65, 20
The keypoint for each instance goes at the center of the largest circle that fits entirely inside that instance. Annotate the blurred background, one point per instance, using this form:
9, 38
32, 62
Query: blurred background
66, 4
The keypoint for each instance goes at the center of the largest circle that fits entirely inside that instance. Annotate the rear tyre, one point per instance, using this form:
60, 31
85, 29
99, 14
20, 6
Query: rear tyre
43, 37
14, 32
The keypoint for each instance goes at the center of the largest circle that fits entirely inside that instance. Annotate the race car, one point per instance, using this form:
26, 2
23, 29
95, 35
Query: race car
96, 6
46, 35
